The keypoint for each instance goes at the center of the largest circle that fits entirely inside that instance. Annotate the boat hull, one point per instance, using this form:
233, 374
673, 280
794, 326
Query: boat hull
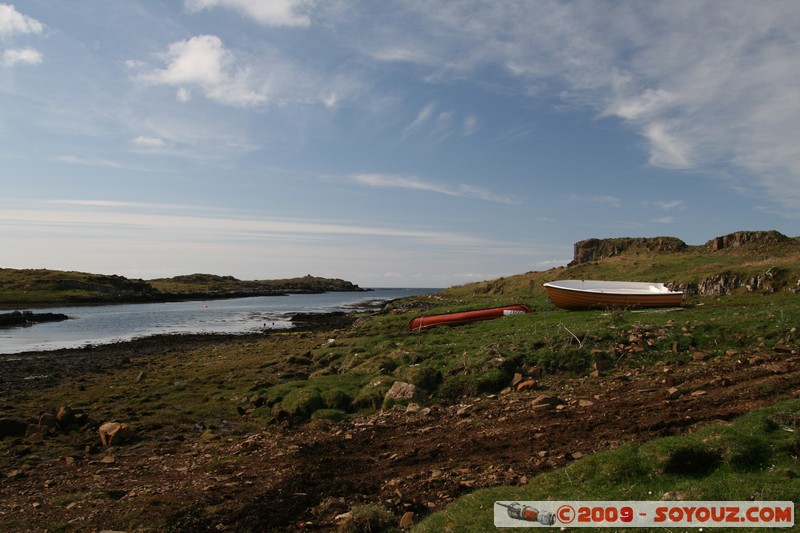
424, 322
589, 294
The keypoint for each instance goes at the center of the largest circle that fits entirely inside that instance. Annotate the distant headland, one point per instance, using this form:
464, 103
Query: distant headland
21, 288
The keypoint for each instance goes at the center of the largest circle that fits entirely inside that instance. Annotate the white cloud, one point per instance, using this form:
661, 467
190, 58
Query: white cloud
13, 22
393, 181
149, 142
266, 12
26, 56
204, 62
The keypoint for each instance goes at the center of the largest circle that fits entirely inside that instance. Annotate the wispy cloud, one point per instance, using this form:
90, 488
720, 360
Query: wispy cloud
88, 161
705, 92
176, 220
268, 13
394, 181
612, 201
422, 118
470, 125
670, 205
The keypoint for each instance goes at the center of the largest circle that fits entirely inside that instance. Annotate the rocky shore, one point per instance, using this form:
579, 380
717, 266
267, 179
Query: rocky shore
105, 464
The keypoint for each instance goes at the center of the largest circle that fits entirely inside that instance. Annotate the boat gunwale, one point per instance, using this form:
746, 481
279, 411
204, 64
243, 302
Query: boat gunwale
612, 291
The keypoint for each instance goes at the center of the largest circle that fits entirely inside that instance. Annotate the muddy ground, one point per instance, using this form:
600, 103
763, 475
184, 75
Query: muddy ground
418, 459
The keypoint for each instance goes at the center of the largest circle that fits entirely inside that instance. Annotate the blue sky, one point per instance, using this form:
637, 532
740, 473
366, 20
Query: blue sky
399, 143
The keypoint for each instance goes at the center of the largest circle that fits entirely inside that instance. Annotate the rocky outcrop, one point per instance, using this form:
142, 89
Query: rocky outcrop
27, 318
771, 281
741, 238
593, 249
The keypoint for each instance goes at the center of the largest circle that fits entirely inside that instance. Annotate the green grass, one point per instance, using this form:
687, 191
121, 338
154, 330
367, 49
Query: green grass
754, 458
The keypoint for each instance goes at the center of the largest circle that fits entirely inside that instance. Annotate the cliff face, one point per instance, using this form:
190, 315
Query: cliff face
741, 238
593, 249
745, 243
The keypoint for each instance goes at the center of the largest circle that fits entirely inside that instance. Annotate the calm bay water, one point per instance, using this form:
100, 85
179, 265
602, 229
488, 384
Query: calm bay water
114, 323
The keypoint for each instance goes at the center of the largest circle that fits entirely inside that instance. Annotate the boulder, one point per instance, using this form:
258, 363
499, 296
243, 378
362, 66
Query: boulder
407, 520
114, 433
65, 416
401, 390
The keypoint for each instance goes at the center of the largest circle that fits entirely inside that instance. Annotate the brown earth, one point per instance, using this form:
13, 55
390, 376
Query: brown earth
292, 478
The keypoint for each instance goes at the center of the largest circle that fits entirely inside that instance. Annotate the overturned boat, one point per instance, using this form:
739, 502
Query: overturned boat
463, 317
588, 294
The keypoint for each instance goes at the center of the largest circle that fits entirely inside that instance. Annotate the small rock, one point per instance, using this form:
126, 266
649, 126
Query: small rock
544, 399
668, 496
207, 436
698, 356
35, 437
673, 393
516, 380
576, 455
526, 385
407, 520
698, 393
48, 421
778, 368
108, 459
413, 408
585, 403
464, 411
343, 516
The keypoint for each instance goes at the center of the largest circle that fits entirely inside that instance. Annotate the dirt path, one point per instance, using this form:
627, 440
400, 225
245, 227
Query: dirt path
417, 460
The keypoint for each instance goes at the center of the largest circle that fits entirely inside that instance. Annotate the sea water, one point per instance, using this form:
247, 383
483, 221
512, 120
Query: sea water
91, 325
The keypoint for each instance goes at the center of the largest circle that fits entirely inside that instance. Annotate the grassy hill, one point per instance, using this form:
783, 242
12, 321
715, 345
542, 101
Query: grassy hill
20, 288
750, 263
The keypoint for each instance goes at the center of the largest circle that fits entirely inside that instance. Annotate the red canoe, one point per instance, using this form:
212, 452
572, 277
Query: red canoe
423, 322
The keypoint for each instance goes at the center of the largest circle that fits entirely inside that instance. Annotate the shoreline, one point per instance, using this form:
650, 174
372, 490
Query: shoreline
23, 373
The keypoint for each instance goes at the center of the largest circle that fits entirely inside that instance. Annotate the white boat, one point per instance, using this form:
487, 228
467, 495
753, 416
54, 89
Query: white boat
587, 294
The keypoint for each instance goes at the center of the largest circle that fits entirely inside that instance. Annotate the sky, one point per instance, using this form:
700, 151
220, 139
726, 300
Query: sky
408, 143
